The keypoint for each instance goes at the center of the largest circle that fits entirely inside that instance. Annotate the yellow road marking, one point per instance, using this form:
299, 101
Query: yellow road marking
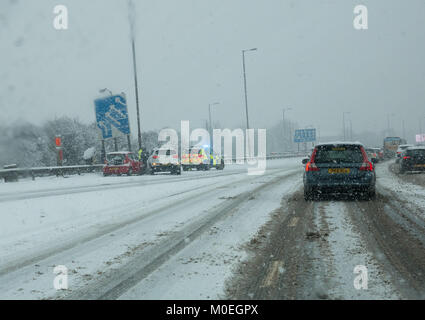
273, 274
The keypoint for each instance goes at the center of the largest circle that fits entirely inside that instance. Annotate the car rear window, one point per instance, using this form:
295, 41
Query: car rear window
339, 154
111, 157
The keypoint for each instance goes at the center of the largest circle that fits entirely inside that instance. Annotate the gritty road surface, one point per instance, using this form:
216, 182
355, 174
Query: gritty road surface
211, 235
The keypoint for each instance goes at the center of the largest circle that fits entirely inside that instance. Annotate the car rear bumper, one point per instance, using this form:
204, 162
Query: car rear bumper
361, 184
159, 167
116, 169
192, 165
340, 189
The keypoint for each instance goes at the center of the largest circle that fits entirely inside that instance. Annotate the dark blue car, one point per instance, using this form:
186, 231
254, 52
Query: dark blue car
339, 168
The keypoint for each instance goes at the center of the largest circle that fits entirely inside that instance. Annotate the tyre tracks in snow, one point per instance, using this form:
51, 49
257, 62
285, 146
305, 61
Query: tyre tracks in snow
107, 228
118, 281
50, 192
158, 253
309, 250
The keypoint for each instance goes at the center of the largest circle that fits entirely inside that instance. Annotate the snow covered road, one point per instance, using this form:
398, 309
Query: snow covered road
209, 235
95, 226
317, 250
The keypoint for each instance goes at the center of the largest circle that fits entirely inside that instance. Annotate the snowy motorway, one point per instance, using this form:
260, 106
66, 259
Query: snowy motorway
209, 235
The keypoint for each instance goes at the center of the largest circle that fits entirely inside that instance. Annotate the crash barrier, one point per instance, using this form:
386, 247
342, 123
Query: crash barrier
269, 157
12, 173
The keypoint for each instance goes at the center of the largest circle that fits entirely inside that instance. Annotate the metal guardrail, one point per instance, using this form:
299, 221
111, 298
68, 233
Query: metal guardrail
272, 157
14, 173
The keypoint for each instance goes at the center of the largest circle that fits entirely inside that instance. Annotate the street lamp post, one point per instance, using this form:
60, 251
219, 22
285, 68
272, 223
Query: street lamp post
104, 90
283, 125
403, 129
210, 122
343, 122
246, 93
245, 88
133, 48
389, 122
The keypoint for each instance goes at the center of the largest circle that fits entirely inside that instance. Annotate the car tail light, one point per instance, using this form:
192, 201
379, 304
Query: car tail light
406, 157
155, 157
366, 165
311, 166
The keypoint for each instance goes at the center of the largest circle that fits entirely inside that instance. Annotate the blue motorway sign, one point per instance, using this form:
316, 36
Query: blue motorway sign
112, 116
305, 135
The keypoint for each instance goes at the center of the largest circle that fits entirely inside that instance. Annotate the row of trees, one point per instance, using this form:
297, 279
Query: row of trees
29, 145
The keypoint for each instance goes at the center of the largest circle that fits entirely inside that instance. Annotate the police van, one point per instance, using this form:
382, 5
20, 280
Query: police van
200, 158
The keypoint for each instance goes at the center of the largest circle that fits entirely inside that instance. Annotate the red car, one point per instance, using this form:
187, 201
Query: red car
123, 162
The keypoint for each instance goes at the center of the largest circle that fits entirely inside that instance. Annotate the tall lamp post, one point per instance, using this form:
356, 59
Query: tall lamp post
131, 9
246, 93
389, 122
283, 125
210, 122
245, 88
343, 122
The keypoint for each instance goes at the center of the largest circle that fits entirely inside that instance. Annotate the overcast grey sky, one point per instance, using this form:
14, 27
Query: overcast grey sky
309, 58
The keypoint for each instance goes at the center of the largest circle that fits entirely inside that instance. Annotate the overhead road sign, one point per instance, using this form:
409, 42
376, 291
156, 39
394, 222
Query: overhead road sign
112, 116
305, 135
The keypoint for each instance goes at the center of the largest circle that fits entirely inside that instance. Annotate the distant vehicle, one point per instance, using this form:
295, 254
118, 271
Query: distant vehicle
401, 148
164, 160
123, 162
391, 145
372, 154
340, 167
195, 158
412, 159
380, 153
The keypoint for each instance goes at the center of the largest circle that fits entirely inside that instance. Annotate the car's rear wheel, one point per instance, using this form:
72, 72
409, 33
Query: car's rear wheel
307, 195
371, 195
130, 172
